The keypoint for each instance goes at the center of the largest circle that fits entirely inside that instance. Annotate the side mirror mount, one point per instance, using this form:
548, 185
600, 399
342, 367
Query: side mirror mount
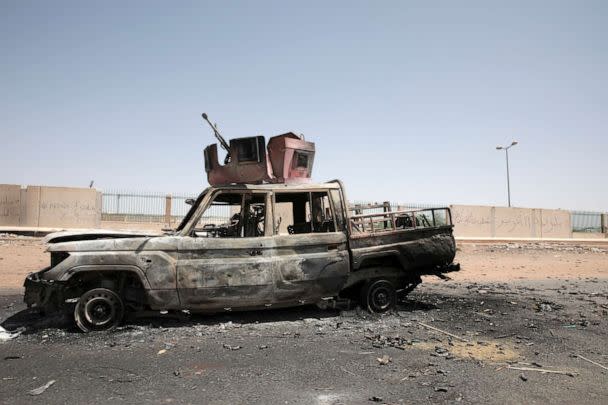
190, 201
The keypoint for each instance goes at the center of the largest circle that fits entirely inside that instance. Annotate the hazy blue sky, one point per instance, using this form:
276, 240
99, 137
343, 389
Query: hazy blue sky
405, 100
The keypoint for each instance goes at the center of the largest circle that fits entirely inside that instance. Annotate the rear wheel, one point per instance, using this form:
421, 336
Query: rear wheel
99, 309
378, 295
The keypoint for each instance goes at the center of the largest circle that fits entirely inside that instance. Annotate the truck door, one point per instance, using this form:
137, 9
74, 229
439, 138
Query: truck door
312, 259
226, 261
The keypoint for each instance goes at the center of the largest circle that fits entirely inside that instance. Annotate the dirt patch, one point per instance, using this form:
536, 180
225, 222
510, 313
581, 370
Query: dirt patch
486, 351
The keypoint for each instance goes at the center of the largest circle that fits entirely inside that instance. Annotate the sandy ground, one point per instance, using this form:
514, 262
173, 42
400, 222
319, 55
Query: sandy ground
18, 257
517, 324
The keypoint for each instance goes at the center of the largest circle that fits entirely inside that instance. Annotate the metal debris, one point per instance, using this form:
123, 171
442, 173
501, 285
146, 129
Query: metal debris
40, 390
443, 331
544, 370
591, 361
6, 335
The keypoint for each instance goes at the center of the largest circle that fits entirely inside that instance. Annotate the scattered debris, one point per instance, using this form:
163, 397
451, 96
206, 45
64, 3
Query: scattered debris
6, 335
523, 377
441, 389
162, 351
40, 390
441, 351
229, 347
384, 359
347, 372
543, 370
375, 399
591, 361
443, 331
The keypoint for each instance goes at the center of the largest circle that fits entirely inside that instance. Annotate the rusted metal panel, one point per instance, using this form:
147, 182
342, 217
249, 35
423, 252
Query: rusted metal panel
417, 250
291, 158
234, 171
218, 274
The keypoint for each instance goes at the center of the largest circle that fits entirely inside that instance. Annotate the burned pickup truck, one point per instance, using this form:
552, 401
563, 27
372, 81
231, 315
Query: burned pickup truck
243, 246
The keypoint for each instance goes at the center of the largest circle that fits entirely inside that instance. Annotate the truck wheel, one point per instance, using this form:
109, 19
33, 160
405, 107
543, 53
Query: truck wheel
378, 296
98, 309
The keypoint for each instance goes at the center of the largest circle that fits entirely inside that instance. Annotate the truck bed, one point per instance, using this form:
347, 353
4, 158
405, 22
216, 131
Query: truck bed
421, 241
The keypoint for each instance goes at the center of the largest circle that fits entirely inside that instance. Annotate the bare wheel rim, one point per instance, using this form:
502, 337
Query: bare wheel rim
98, 309
381, 296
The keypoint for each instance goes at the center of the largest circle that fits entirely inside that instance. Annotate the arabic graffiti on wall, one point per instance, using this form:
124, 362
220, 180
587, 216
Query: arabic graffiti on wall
510, 222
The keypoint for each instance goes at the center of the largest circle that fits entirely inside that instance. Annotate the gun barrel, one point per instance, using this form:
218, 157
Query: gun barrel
217, 134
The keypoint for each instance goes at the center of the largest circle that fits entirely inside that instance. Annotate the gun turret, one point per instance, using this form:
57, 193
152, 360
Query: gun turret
287, 158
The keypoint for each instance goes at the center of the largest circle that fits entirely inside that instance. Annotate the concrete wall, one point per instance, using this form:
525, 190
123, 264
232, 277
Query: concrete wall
503, 222
473, 221
10, 204
68, 207
57, 207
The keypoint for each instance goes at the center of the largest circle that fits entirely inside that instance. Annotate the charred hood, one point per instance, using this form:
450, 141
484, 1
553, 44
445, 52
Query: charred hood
93, 234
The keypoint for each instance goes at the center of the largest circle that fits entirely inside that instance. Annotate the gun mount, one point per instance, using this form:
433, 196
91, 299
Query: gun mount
287, 158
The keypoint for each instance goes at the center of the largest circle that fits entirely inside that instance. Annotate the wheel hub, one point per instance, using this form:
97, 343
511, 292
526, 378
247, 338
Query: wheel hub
381, 298
99, 310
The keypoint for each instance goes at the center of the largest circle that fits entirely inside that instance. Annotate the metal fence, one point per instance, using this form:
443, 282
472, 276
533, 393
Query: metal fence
130, 206
585, 221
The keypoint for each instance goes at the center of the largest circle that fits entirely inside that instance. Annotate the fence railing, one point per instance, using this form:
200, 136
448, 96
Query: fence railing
158, 207
127, 206
585, 221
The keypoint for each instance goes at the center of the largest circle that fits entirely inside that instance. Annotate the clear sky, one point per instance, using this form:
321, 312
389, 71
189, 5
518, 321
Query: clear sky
406, 101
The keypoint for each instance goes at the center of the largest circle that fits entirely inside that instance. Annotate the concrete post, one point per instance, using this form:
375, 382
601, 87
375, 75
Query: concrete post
604, 223
168, 200
386, 207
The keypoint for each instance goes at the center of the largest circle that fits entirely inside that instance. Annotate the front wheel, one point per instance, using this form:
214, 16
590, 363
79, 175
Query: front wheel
98, 309
378, 296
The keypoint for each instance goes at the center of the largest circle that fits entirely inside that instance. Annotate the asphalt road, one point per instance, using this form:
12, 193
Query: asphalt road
312, 356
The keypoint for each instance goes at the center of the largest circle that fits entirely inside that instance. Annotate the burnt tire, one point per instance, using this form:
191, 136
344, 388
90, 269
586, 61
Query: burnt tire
99, 309
378, 296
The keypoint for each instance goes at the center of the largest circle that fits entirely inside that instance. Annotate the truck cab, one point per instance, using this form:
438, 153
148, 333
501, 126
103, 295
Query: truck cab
262, 245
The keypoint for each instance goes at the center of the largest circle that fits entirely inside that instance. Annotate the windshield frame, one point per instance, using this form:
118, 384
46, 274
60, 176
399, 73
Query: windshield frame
192, 211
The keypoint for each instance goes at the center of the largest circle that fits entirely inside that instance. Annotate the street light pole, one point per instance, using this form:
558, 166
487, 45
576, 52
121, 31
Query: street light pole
506, 149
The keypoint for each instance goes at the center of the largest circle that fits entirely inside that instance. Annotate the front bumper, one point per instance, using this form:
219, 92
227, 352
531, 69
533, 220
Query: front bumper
40, 293
451, 267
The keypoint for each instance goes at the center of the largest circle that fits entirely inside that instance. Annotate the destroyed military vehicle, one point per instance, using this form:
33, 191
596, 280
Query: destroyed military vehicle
261, 236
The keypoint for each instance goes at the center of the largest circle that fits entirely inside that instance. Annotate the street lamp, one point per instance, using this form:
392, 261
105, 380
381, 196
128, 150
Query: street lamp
506, 149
